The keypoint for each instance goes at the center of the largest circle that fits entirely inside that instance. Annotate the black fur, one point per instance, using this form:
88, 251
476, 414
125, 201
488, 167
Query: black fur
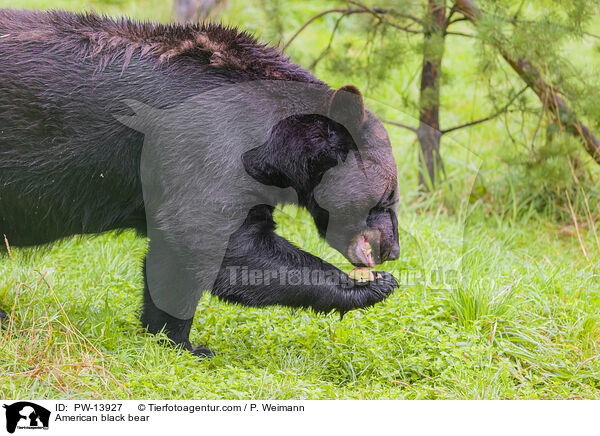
67, 166
257, 247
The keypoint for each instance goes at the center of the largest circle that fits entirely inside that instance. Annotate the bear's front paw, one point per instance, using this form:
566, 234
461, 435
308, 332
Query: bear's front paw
382, 286
366, 293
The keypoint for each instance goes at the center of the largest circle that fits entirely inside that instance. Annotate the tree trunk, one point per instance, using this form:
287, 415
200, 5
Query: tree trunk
548, 95
428, 133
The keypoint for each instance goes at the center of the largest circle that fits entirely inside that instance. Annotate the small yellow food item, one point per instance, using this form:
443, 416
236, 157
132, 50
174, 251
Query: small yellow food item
362, 275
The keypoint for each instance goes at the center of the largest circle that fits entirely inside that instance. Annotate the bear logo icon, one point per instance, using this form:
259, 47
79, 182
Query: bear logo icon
26, 415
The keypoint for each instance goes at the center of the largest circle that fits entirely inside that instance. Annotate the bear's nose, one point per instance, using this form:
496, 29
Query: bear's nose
395, 253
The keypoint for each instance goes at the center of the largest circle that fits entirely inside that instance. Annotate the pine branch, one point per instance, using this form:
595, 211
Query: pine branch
466, 35
546, 92
377, 11
326, 50
489, 117
373, 11
592, 35
362, 9
397, 124
456, 20
344, 11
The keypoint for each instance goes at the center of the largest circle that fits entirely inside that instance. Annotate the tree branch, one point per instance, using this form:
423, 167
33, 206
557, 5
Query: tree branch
489, 117
456, 20
545, 91
466, 35
591, 35
361, 9
377, 11
373, 11
344, 11
324, 52
397, 124
403, 28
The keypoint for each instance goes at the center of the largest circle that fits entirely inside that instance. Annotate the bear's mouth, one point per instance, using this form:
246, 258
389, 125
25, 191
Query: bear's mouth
360, 252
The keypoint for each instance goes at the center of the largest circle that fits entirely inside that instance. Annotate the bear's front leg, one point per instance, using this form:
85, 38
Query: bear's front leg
177, 330
261, 268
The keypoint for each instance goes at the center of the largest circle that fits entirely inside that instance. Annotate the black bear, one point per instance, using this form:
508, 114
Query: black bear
106, 125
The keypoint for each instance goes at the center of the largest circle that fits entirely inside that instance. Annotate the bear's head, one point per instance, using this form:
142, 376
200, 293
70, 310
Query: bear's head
341, 165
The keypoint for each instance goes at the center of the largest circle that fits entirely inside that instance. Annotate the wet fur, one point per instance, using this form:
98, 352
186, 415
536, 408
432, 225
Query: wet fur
68, 167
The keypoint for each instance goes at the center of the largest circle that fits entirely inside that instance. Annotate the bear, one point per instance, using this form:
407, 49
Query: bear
115, 124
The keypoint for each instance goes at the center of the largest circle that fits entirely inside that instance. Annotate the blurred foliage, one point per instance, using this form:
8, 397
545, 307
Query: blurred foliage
521, 152
376, 52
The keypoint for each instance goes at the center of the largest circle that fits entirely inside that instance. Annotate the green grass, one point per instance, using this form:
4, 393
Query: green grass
527, 328
497, 303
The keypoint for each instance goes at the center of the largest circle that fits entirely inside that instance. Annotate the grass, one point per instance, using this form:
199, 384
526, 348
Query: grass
501, 302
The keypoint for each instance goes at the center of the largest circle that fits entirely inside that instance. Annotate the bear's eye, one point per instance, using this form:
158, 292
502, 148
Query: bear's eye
331, 133
390, 200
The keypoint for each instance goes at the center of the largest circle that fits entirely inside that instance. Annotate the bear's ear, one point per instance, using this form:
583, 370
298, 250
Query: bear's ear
259, 165
346, 106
